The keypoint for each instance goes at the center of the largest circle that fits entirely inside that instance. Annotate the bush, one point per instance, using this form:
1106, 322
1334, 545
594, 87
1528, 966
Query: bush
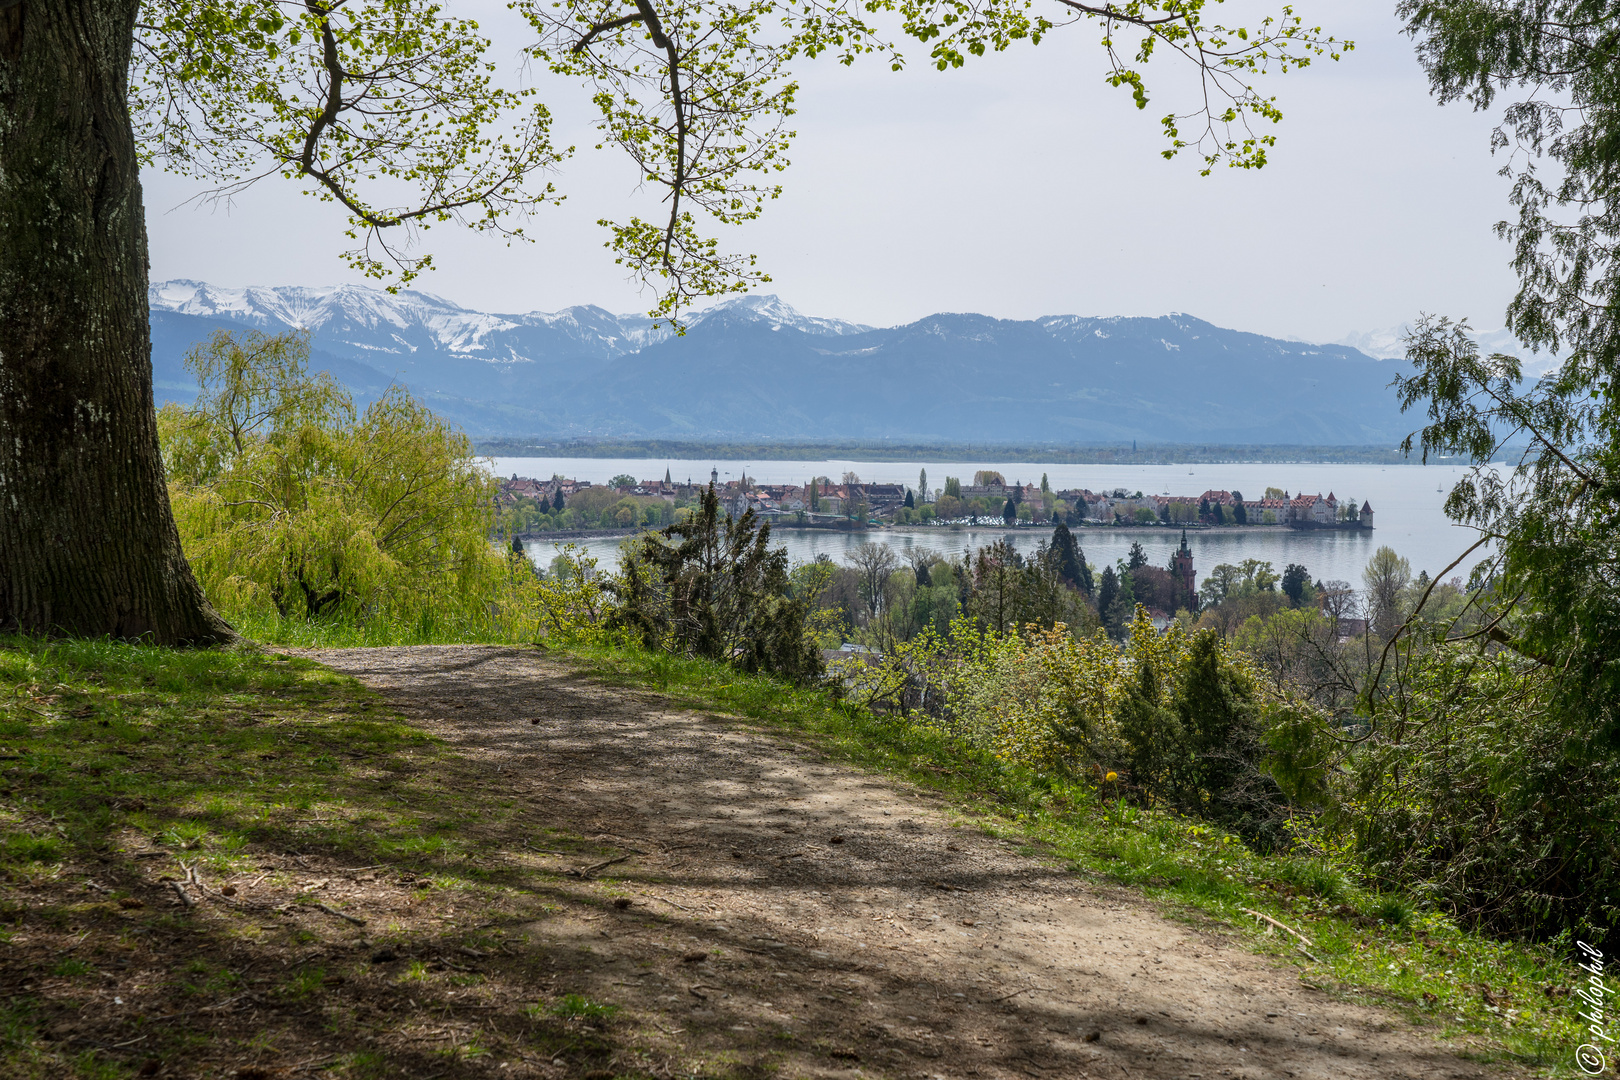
1179, 715
711, 587
1489, 800
1314, 878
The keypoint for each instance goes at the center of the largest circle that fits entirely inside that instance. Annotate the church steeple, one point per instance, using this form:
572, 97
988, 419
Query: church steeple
1181, 565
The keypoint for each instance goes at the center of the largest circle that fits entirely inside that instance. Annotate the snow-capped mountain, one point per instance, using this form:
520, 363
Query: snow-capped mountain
773, 312
754, 367
1390, 344
376, 323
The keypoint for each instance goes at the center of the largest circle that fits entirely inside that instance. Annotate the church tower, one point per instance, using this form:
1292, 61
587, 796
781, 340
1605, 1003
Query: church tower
1181, 565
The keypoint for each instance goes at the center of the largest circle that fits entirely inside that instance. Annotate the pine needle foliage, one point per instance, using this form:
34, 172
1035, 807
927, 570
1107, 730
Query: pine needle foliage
711, 587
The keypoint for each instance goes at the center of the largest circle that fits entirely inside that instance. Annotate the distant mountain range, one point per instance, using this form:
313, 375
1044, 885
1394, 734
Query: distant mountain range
754, 368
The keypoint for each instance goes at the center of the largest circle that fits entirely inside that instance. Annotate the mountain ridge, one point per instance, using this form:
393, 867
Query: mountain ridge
754, 367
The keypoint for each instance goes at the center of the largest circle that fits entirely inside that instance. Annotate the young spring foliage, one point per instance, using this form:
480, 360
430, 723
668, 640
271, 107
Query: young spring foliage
390, 108
1554, 515
395, 109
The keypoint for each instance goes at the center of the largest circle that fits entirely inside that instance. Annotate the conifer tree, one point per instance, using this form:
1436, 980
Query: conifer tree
1158, 753
1107, 591
1220, 720
1066, 553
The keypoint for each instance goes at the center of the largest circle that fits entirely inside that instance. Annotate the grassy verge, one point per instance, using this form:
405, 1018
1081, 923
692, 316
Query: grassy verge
333, 634
353, 909
1511, 996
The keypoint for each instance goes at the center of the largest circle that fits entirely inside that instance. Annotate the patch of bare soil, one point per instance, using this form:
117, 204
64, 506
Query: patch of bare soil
771, 911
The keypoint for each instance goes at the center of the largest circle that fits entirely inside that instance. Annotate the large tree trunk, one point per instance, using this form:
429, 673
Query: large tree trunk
88, 544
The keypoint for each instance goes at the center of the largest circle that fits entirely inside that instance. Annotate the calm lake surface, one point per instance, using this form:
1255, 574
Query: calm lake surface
1406, 503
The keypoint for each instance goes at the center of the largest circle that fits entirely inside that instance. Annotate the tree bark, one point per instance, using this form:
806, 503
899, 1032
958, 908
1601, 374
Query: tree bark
88, 544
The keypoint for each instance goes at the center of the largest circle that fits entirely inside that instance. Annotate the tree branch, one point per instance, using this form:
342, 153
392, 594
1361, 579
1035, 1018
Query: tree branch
678, 100
602, 28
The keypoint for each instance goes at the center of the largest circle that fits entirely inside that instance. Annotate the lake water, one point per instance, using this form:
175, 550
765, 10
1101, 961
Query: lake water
1406, 503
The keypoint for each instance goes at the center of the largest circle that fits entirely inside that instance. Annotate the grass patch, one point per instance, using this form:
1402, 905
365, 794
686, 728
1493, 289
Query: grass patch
579, 1007
201, 752
1365, 944
127, 771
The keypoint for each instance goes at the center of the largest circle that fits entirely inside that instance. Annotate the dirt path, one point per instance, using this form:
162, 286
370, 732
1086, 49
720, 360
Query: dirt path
846, 923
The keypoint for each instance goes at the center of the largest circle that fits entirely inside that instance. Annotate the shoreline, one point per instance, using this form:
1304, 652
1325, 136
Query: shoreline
781, 525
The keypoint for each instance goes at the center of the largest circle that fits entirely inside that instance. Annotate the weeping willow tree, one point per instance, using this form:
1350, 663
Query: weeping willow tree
294, 504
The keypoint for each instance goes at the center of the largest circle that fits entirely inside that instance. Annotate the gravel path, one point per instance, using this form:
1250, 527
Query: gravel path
848, 923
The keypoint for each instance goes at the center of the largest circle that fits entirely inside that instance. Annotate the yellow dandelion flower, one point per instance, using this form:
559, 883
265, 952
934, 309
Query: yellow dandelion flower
1111, 777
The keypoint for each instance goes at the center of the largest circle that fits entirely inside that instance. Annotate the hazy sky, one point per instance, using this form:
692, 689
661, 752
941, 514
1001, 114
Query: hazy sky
1018, 186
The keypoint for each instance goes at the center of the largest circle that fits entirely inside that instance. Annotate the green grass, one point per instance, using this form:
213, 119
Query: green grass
1363, 945
203, 752
578, 1007
337, 634
217, 759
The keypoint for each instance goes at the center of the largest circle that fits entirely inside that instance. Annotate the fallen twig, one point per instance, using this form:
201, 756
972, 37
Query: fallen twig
1278, 925
696, 990
671, 903
342, 915
220, 1005
589, 870
185, 897
1015, 993
111, 1046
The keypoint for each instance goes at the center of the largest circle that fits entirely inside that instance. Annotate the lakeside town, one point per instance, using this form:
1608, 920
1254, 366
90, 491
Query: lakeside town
530, 506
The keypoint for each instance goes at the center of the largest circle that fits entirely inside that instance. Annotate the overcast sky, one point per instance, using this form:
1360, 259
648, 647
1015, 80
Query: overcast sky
1018, 186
